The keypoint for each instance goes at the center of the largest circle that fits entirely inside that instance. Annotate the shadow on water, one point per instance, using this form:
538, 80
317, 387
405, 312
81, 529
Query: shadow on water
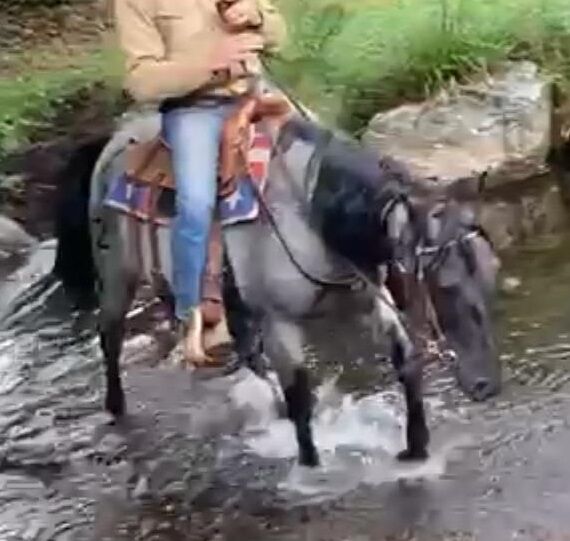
212, 459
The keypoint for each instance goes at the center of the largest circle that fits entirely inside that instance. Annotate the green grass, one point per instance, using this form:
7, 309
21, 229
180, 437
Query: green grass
349, 60
30, 99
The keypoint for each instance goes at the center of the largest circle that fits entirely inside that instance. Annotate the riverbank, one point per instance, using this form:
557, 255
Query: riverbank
51, 55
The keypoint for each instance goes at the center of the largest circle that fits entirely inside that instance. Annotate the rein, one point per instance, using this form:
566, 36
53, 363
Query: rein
348, 283
358, 276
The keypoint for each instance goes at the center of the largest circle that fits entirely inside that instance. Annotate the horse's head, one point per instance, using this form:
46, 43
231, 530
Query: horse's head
460, 269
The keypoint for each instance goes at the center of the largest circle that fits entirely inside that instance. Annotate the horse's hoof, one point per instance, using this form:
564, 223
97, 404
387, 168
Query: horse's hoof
411, 455
309, 457
115, 405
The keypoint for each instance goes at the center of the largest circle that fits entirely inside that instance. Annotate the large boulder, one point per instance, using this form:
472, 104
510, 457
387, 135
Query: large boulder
499, 125
13, 239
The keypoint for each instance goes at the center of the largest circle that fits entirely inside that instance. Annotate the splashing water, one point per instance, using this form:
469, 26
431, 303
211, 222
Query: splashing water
358, 439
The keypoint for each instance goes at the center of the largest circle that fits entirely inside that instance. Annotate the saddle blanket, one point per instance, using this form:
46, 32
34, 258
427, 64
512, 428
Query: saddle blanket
139, 201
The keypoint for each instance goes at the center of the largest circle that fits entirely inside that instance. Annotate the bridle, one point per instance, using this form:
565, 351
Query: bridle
429, 259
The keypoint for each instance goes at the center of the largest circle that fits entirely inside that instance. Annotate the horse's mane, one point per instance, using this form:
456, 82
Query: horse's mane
352, 190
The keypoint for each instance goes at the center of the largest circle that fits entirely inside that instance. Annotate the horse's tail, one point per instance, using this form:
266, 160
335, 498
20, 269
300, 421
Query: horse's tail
74, 263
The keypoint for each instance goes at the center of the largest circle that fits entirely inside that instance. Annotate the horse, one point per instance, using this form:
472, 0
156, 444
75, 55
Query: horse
338, 233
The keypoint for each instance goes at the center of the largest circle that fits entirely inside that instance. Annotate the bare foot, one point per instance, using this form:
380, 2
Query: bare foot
217, 340
204, 347
192, 346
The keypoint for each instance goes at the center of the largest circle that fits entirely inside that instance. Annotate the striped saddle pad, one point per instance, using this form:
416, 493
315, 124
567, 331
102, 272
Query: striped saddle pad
148, 203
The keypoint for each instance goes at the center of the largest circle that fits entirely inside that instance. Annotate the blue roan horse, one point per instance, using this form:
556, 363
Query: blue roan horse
333, 217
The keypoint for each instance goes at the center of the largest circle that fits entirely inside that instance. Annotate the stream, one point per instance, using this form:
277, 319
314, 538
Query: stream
210, 458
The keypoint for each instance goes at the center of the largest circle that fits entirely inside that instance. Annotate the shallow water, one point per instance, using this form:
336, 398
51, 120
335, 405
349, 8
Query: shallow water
212, 459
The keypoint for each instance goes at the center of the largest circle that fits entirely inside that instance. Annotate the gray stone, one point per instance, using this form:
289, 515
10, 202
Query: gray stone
499, 125
511, 284
13, 238
524, 215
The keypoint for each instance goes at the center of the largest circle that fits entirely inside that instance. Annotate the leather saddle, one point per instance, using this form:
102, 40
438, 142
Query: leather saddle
150, 163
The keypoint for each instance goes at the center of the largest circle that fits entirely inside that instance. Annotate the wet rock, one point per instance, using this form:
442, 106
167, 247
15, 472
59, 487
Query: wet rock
500, 125
524, 212
13, 239
511, 284
141, 489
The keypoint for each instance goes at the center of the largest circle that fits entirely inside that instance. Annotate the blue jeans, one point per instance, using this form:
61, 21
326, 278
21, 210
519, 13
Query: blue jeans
193, 134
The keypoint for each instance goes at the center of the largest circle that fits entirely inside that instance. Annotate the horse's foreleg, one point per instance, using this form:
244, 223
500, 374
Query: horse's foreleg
410, 376
283, 344
244, 326
409, 371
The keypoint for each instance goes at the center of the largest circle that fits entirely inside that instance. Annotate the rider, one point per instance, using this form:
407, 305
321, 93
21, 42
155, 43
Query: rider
196, 58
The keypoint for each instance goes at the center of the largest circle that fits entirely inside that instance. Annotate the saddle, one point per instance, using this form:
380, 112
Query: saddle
150, 163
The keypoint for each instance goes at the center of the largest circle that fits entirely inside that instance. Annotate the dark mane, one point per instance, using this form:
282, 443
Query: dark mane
352, 190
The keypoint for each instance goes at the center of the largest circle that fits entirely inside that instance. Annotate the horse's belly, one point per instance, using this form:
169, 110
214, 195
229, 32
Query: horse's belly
264, 275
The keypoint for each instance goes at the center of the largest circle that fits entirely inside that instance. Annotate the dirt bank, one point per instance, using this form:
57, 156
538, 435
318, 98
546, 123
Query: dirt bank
29, 176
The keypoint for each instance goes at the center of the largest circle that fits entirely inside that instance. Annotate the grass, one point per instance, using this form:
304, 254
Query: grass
352, 59
30, 98
344, 59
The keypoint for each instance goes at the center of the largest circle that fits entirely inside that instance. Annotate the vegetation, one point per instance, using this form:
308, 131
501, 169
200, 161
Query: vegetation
29, 101
344, 59
356, 58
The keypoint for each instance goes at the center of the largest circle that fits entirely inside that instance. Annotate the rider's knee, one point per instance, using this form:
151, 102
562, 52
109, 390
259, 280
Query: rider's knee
194, 207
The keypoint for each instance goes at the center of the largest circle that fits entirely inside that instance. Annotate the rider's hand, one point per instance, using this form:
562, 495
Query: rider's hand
242, 14
235, 48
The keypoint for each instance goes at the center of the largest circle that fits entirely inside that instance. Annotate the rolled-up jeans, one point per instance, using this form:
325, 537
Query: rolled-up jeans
193, 134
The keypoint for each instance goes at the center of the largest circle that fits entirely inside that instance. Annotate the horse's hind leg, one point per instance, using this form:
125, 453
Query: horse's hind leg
116, 299
284, 347
117, 289
111, 336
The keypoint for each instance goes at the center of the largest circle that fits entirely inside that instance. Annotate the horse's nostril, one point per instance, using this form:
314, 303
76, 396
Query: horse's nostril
481, 389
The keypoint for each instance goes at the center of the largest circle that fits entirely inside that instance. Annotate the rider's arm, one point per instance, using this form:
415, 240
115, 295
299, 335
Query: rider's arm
273, 26
150, 74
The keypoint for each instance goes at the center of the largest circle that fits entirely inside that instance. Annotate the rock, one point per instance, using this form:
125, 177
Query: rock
13, 238
511, 284
525, 213
500, 125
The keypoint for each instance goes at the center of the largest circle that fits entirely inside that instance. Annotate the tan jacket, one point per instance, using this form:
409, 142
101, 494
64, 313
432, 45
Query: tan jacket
167, 44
